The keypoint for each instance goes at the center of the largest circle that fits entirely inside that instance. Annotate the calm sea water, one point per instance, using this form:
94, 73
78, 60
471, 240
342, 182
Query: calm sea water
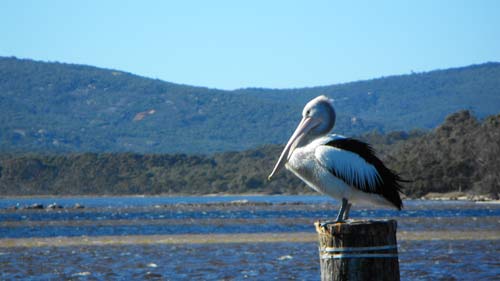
440, 240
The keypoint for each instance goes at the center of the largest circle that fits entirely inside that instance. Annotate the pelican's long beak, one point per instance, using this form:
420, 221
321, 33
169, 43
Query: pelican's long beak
306, 124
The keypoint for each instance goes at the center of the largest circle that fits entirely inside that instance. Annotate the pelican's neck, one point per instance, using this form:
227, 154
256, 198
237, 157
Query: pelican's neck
310, 138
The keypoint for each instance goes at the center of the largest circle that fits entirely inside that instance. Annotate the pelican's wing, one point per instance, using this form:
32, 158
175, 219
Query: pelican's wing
351, 161
355, 163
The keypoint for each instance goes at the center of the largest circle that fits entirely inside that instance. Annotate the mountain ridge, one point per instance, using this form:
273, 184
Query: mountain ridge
60, 107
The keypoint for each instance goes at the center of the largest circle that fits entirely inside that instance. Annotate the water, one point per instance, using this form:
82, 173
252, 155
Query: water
147, 201
207, 238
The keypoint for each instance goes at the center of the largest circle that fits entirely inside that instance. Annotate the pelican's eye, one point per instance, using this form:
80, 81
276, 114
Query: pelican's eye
308, 112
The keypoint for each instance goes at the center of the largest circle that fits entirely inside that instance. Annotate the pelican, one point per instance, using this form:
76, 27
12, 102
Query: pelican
343, 168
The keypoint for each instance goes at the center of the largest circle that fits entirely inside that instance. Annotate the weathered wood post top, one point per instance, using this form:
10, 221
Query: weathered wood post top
358, 250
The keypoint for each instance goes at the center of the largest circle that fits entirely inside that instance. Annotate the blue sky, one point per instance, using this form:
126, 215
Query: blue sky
272, 44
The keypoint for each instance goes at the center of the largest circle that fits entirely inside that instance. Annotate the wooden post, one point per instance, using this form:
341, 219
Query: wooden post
358, 250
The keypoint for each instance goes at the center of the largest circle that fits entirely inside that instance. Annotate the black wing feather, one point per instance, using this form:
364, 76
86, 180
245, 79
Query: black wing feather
389, 184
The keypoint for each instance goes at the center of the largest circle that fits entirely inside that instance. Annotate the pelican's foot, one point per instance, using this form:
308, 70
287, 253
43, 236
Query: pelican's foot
325, 223
342, 216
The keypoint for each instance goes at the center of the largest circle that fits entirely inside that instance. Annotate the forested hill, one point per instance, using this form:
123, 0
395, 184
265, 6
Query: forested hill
56, 107
462, 154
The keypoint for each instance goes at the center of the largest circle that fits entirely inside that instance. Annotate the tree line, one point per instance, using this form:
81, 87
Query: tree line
462, 154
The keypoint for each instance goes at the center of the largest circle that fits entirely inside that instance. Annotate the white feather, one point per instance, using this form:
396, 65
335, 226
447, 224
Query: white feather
312, 169
349, 165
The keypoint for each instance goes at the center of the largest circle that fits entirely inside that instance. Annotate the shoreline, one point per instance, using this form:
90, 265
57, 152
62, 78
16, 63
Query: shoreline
459, 196
433, 196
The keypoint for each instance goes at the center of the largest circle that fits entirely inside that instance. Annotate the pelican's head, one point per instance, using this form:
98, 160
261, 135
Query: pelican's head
318, 118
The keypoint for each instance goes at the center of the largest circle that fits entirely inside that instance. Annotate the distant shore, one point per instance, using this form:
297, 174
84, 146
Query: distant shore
456, 195
446, 196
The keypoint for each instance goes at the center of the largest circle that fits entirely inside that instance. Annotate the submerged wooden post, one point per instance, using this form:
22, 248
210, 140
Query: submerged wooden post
358, 250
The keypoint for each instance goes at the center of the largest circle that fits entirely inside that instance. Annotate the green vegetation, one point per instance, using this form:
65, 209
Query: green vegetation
461, 154
60, 108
